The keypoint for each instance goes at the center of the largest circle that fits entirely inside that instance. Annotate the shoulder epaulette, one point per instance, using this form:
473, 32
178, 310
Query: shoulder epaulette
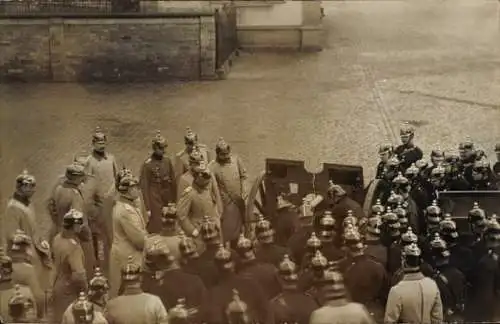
73, 241
187, 190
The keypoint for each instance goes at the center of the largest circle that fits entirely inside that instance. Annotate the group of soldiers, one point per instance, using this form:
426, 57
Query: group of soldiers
174, 244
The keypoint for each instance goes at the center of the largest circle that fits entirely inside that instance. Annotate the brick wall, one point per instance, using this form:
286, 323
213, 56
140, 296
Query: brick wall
108, 49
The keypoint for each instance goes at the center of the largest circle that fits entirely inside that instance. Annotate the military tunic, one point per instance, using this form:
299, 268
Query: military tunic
340, 209
70, 278
7, 291
377, 251
68, 317
20, 215
408, 154
231, 178
194, 204
186, 181
292, 307
341, 312
452, 287
298, 242
416, 299
366, 280
182, 159
175, 284
23, 273
129, 234
65, 197
285, 223
250, 292
203, 267
265, 274
158, 187
270, 253
136, 307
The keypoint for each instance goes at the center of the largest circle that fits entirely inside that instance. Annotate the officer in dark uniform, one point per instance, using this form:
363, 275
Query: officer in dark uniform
220, 295
392, 237
482, 176
437, 158
433, 217
418, 192
408, 238
407, 152
451, 282
454, 179
392, 170
394, 200
313, 245
288, 220
485, 284
98, 290
210, 234
170, 282
266, 250
365, 279
310, 279
297, 243
437, 181
402, 187
20, 307
468, 156
496, 166
403, 218
191, 262
291, 305
477, 223
377, 208
385, 152
329, 239
264, 273
374, 247
460, 255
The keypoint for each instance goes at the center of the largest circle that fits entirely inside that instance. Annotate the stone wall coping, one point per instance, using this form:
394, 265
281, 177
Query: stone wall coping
110, 15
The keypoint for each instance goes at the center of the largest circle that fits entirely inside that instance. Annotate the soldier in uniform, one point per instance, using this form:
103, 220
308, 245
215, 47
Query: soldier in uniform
385, 152
437, 158
21, 308
196, 202
391, 231
468, 156
454, 179
291, 305
231, 177
287, 220
24, 273
220, 295
477, 223
133, 305
496, 166
100, 194
266, 250
402, 187
70, 276
182, 158
336, 308
341, 204
460, 255
83, 311
374, 247
416, 299
437, 181
483, 295
418, 192
192, 263
482, 177
8, 290
329, 239
451, 282
402, 218
129, 228
169, 233
407, 152
66, 196
297, 243
157, 182
433, 217
179, 314
167, 280
365, 279
20, 215
265, 274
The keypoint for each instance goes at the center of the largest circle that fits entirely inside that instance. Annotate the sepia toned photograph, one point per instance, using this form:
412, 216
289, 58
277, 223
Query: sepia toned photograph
249, 162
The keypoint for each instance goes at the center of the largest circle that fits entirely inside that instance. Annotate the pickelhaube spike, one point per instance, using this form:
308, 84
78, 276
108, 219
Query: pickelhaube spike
378, 207
313, 243
409, 237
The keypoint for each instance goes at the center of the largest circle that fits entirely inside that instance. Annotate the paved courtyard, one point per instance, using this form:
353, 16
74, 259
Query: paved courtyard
434, 63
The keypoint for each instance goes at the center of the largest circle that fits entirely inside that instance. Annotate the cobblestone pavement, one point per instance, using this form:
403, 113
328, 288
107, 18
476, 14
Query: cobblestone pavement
433, 63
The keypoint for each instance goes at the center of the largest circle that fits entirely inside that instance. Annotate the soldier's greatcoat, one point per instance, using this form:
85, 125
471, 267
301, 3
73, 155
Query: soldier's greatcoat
408, 154
203, 267
129, 235
186, 181
181, 162
367, 281
416, 299
23, 273
136, 307
70, 278
172, 284
270, 253
285, 223
231, 178
292, 307
20, 215
376, 250
194, 204
7, 291
341, 312
158, 187
68, 317
264, 273
68, 196
452, 287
